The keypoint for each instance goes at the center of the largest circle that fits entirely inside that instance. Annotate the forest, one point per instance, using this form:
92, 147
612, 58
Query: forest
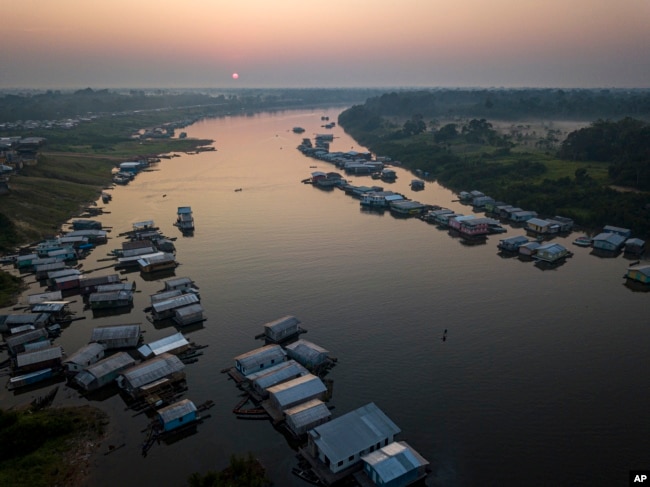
598, 175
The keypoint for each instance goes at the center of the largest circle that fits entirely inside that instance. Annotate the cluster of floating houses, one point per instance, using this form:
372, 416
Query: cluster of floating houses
127, 171
284, 380
471, 228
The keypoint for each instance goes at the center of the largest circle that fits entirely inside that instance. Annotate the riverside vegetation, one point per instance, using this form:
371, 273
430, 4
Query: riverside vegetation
597, 175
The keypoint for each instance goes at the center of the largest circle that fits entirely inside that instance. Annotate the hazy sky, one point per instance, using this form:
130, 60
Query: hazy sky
324, 43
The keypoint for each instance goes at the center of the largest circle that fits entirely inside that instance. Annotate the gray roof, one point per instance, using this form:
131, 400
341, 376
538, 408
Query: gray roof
110, 296
153, 369
175, 302
95, 281
26, 337
278, 373
284, 323
394, 460
85, 353
109, 364
158, 347
189, 310
289, 393
252, 359
115, 332
353, 432
306, 350
26, 319
177, 410
308, 412
38, 356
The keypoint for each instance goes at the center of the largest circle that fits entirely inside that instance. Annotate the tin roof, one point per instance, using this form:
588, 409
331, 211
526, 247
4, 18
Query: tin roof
394, 460
105, 366
153, 369
306, 349
278, 373
284, 323
158, 347
259, 355
85, 353
353, 432
175, 302
308, 412
295, 390
38, 356
113, 332
177, 410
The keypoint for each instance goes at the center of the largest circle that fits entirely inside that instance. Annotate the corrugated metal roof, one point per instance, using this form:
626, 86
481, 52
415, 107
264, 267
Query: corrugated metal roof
353, 432
113, 332
110, 364
178, 282
307, 413
95, 281
165, 295
394, 460
295, 390
110, 296
252, 359
85, 353
26, 337
153, 369
175, 302
177, 410
190, 310
26, 319
49, 307
278, 373
158, 347
284, 323
306, 350
38, 356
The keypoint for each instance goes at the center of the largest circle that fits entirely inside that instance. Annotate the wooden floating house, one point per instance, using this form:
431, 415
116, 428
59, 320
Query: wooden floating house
634, 246
82, 358
176, 415
154, 263
184, 284
104, 371
282, 329
608, 241
89, 285
396, 464
639, 273
551, 253
259, 359
117, 336
152, 376
166, 308
17, 323
55, 278
85, 224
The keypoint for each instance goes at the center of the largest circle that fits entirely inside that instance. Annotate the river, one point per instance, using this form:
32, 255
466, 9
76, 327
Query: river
542, 379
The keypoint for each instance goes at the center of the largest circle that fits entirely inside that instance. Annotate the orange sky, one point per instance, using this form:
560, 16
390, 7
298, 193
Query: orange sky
200, 43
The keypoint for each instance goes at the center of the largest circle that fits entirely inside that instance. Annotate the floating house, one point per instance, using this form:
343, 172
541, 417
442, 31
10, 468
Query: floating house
303, 417
58, 310
188, 315
274, 375
30, 378
388, 175
551, 253
16, 343
166, 308
259, 359
110, 300
104, 371
407, 207
522, 216
46, 296
24, 262
380, 199
282, 329
117, 336
52, 276
512, 244
634, 246
307, 353
623, 232
68, 281
472, 227
175, 415
32, 361
338, 445
296, 391
529, 249
184, 284
153, 263
15, 323
395, 465
151, 376
93, 236
639, 273
608, 241
82, 358
185, 219
42, 270
542, 227
89, 285
173, 344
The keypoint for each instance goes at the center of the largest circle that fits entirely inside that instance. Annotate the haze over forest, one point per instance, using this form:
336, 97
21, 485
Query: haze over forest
288, 43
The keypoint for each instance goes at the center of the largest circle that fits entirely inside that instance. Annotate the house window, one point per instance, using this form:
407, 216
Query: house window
340, 463
351, 458
378, 445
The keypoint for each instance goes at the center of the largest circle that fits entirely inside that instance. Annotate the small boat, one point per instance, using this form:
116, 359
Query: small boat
298, 130
582, 241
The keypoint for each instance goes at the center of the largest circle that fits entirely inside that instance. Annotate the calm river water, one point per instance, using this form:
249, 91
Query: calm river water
543, 379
